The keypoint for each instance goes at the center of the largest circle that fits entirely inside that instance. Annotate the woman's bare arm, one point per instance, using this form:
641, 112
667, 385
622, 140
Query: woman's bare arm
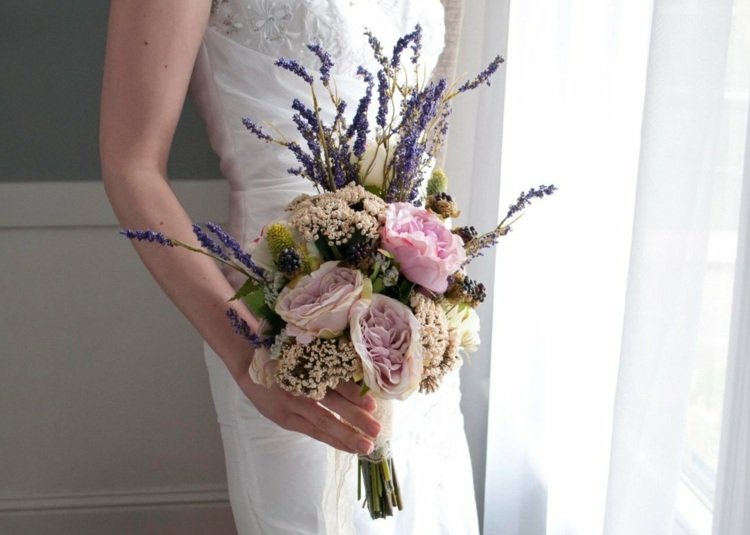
151, 50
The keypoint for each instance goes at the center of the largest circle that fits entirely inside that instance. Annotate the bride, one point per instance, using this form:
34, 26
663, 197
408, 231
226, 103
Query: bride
277, 446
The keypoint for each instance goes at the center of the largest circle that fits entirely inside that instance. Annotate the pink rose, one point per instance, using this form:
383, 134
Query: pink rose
386, 336
427, 251
318, 304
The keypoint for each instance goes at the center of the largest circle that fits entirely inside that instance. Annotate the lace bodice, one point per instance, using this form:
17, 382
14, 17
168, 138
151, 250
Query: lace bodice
284, 27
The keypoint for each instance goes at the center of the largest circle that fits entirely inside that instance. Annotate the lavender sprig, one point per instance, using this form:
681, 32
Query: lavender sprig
377, 50
418, 113
293, 66
209, 249
309, 115
241, 256
383, 98
360, 125
255, 129
524, 199
241, 327
475, 246
484, 76
326, 63
415, 40
149, 236
208, 244
307, 163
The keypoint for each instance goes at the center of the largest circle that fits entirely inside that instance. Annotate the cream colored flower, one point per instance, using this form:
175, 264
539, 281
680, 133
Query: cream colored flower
263, 367
373, 165
464, 321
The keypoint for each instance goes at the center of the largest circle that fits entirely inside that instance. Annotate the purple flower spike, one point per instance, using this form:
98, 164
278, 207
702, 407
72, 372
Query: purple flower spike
415, 39
231, 244
382, 117
208, 244
147, 235
306, 113
360, 125
294, 66
525, 198
484, 76
377, 49
416, 45
326, 64
307, 162
255, 129
241, 327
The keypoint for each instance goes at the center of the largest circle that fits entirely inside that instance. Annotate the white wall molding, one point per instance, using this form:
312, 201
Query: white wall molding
119, 499
84, 204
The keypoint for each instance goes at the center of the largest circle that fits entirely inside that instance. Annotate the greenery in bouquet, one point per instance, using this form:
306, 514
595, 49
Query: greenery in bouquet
366, 280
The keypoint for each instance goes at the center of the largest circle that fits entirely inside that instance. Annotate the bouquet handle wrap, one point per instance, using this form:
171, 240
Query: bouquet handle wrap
377, 472
383, 413
338, 492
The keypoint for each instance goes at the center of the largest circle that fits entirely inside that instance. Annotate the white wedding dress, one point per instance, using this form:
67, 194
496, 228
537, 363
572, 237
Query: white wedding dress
277, 479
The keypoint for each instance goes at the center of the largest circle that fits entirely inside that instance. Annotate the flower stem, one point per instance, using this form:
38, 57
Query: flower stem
382, 493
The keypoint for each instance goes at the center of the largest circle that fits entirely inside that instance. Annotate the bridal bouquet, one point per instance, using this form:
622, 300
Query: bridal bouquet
366, 280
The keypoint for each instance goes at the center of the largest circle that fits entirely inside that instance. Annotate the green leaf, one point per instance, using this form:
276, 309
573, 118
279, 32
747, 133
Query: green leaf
255, 299
249, 286
404, 291
325, 249
374, 190
256, 302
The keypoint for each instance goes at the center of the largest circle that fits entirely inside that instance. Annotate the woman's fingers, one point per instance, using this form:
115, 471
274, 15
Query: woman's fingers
323, 425
304, 426
301, 414
352, 412
353, 392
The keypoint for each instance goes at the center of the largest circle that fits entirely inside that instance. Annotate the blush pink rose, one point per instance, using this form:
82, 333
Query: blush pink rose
426, 250
386, 336
317, 306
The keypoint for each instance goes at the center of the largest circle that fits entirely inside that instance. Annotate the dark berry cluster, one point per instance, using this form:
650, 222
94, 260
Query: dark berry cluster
289, 261
466, 233
475, 290
361, 254
442, 196
443, 205
462, 289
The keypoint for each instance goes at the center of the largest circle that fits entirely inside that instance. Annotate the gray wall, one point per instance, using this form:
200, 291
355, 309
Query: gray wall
106, 419
51, 56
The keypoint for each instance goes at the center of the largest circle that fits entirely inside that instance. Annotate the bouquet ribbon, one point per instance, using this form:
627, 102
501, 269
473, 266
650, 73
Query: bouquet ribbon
339, 488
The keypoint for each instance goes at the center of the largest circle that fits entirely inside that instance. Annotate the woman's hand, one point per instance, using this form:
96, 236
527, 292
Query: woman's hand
317, 420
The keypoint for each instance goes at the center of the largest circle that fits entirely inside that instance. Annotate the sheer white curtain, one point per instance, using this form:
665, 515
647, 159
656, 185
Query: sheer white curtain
603, 295
688, 199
